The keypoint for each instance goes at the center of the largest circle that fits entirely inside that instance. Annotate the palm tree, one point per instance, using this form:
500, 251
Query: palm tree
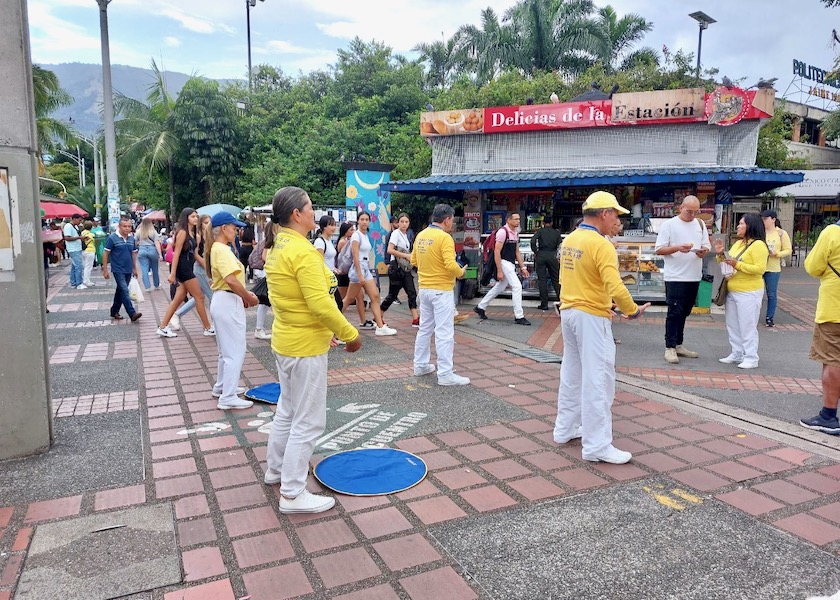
145, 132
616, 37
485, 51
49, 96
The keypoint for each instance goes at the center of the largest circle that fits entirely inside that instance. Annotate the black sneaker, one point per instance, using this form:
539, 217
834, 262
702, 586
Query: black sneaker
830, 426
480, 312
522, 321
768, 322
543, 306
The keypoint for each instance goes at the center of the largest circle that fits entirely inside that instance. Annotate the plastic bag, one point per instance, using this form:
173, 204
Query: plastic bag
134, 290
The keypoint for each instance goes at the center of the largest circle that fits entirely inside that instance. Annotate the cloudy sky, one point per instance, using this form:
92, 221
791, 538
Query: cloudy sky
752, 38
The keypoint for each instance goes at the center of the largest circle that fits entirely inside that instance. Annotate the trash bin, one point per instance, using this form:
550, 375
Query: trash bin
704, 293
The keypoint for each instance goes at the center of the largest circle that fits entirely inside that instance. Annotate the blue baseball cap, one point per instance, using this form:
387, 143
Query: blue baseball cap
224, 218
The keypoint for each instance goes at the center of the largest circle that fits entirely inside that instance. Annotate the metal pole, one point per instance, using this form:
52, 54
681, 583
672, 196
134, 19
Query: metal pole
108, 114
248, 21
699, 48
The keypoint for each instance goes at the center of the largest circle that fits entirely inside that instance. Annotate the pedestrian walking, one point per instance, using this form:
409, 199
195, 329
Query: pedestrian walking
149, 253
437, 270
88, 253
228, 309
589, 283
200, 272
507, 256
544, 244
748, 258
682, 242
305, 321
73, 244
121, 253
400, 270
779, 248
823, 262
182, 271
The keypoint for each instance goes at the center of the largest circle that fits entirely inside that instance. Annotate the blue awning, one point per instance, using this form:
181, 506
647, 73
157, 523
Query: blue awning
741, 181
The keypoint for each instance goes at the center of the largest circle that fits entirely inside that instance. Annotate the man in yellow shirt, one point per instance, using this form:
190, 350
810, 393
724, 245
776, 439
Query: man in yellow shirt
437, 269
589, 284
824, 262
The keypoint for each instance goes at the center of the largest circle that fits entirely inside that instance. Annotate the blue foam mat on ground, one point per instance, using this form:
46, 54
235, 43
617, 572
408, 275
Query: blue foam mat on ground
370, 471
267, 392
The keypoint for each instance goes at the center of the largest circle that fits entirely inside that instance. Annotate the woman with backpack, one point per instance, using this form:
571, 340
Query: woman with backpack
256, 261
361, 277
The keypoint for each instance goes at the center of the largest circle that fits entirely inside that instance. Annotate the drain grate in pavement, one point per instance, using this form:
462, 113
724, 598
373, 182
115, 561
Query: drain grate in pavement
538, 355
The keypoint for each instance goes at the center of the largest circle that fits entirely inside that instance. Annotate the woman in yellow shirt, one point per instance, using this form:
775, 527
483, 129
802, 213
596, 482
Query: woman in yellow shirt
778, 244
748, 256
227, 277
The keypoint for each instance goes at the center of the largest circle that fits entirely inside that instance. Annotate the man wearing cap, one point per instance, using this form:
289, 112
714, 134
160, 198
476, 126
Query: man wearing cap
121, 253
507, 255
545, 244
682, 241
73, 243
824, 262
590, 283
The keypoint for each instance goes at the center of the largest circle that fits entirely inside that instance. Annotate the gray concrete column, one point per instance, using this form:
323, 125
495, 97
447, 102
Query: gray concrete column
26, 421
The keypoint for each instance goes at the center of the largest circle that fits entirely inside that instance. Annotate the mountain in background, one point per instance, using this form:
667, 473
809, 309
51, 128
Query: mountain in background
84, 83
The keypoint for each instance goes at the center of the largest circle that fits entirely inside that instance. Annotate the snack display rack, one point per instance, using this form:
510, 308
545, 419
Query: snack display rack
641, 270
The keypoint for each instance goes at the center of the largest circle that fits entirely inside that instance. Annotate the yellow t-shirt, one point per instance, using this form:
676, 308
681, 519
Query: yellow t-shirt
779, 241
88, 241
224, 263
301, 287
826, 252
434, 257
589, 275
750, 268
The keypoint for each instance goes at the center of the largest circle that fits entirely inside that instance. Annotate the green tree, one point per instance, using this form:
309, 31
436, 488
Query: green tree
49, 96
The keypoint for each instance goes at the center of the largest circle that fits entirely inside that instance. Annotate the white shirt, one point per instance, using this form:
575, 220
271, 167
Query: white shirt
329, 252
364, 244
683, 266
400, 242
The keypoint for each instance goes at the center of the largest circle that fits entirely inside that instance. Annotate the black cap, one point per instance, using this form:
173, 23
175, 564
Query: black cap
769, 213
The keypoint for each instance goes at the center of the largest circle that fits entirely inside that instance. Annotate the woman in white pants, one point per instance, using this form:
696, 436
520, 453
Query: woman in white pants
305, 319
228, 309
748, 256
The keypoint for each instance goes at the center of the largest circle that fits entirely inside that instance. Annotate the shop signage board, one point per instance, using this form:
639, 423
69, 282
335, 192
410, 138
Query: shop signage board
724, 106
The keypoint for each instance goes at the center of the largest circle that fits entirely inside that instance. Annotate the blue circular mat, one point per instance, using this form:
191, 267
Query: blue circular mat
370, 471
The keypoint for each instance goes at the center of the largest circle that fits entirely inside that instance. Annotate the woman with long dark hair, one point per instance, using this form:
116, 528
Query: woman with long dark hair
400, 271
305, 321
360, 275
183, 261
748, 258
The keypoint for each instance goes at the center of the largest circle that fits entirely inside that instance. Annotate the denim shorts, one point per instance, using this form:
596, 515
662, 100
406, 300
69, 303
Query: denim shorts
366, 274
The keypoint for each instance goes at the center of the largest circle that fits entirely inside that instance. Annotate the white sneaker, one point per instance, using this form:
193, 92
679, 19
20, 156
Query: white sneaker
731, 360
610, 455
235, 404
81, 287
306, 502
175, 322
271, 478
453, 379
239, 390
211, 332
421, 370
166, 332
262, 334
385, 330
575, 436
748, 364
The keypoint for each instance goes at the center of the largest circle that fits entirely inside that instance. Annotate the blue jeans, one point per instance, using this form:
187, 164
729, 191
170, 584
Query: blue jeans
771, 286
76, 268
121, 297
148, 258
201, 275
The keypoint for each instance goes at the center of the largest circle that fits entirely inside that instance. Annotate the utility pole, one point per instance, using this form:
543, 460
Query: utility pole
108, 115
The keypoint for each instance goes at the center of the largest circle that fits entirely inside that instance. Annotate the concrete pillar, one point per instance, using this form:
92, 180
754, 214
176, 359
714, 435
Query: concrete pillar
26, 423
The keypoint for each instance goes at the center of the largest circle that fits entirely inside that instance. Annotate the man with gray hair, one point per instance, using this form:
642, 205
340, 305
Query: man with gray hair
437, 269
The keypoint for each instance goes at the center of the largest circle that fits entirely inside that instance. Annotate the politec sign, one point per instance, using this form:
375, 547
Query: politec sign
724, 106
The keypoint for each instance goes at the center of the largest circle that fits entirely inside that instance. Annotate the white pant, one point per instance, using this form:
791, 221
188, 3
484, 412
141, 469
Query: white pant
87, 266
437, 311
228, 313
509, 271
262, 313
587, 380
742, 312
299, 421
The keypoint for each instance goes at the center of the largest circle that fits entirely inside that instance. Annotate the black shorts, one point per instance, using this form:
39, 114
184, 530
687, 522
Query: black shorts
184, 271
343, 279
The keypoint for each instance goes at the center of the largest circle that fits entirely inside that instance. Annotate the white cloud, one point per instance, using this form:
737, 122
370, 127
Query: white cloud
171, 41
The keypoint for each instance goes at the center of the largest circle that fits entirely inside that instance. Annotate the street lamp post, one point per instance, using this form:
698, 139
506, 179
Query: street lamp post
703, 20
248, 5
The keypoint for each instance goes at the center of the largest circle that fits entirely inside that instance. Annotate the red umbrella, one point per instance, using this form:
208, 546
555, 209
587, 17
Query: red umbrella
60, 210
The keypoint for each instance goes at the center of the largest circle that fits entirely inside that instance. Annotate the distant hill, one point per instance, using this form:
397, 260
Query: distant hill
84, 83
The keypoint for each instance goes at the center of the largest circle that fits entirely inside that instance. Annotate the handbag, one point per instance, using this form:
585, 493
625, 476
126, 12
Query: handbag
134, 291
723, 290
